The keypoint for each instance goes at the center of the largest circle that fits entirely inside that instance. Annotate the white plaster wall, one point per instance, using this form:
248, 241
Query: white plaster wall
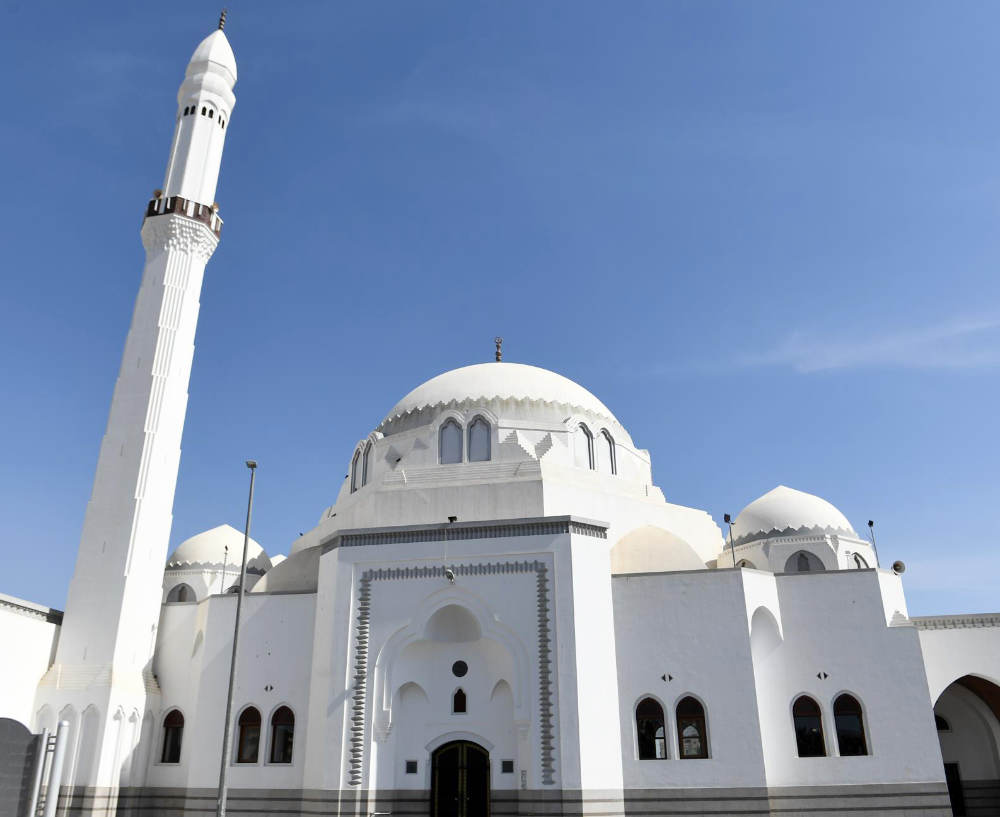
835, 623
951, 653
192, 664
29, 642
973, 742
693, 626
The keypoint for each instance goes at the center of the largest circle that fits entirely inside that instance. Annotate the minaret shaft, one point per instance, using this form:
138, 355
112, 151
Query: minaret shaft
102, 677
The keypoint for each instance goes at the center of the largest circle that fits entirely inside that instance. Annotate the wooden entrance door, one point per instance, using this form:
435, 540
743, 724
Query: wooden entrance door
460, 783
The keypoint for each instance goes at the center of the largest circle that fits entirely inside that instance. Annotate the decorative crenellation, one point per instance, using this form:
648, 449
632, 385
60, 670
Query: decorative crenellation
789, 532
27, 608
967, 622
457, 532
546, 729
179, 233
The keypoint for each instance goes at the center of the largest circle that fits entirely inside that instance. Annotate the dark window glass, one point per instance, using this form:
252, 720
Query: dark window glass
411, 767
506, 767
248, 742
459, 668
203, 111
173, 732
691, 733
808, 727
458, 702
650, 730
850, 726
479, 440
941, 724
450, 443
282, 735
211, 114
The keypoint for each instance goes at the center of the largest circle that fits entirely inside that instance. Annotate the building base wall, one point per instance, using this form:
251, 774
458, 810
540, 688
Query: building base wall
886, 800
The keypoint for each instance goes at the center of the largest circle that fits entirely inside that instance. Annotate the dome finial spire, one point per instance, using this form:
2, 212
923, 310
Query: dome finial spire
222, 19
499, 342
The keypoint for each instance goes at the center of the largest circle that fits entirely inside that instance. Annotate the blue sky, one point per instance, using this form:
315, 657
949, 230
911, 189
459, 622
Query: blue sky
763, 233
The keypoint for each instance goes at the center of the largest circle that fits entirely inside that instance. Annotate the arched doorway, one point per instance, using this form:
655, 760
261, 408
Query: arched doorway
967, 716
460, 780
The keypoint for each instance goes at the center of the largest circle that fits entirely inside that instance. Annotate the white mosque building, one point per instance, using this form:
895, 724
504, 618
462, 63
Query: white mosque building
499, 614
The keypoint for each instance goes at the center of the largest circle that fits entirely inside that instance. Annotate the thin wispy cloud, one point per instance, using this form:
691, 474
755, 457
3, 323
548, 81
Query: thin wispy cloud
958, 343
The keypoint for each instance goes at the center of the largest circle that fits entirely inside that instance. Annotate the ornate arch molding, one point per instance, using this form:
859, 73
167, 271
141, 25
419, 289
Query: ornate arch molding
362, 633
384, 684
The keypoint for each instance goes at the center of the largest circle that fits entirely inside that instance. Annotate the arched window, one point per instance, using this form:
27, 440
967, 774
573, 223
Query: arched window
248, 740
746, 563
181, 592
859, 561
458, 703
355, 484
583, 445
804, 562
203, 110
692, 736
941, 724
649, 730
850, 723
450, 442
173, 732
211, 114
364, 463
282, 735
608, 450
479, 440
808, 723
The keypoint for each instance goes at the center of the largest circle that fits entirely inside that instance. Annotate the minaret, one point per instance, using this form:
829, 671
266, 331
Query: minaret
101, 675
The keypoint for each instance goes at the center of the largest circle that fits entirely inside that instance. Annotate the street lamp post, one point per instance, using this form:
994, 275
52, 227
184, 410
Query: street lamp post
226, 730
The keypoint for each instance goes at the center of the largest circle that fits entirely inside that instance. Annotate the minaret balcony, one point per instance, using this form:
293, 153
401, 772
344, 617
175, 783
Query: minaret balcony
206, 214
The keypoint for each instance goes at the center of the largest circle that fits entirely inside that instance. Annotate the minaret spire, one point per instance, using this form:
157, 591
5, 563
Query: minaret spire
222, 19
103, 666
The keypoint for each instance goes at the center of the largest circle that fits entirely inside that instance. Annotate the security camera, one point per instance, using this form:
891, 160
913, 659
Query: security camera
898, 567
449, 574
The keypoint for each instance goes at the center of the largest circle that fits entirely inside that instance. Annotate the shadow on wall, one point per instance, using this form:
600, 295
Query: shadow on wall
18, 750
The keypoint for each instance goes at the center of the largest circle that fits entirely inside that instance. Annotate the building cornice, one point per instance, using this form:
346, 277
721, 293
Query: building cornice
30, 609
971, 621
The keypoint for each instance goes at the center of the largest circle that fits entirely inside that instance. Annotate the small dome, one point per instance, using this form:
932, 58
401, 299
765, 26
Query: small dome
208, 549
784, 511
499, 381
215, 48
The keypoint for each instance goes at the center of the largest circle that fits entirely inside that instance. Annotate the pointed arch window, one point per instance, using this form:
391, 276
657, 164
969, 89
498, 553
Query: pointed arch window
173, 733
850, 723
248, 740
808, 721
692, 734
609, 461
650, 731
180, 593
450, 442
859, 561
364, 463
282, 735
803, 561
458, 702
583, 447
355, 475
479, 440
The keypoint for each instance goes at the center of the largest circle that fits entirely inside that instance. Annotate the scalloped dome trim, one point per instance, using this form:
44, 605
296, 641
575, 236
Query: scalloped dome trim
804, 530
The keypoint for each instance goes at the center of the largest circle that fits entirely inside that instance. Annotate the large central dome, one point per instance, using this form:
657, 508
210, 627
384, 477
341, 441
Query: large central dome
499, 381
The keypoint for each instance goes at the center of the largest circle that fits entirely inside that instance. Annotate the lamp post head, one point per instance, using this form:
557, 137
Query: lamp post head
251, 464
727, 518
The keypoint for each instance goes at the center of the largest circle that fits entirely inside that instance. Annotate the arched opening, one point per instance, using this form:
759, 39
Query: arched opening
650, 731
967, 716
747, 564
692, 732
765, 636
248, 737
180, 593
850, 724
460, 780
364, 463
583, 447
609, 463
355, 474
859, 561
458, 702
173, 734
808, 722
282, 735
450, 442
479, 440
804, 562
